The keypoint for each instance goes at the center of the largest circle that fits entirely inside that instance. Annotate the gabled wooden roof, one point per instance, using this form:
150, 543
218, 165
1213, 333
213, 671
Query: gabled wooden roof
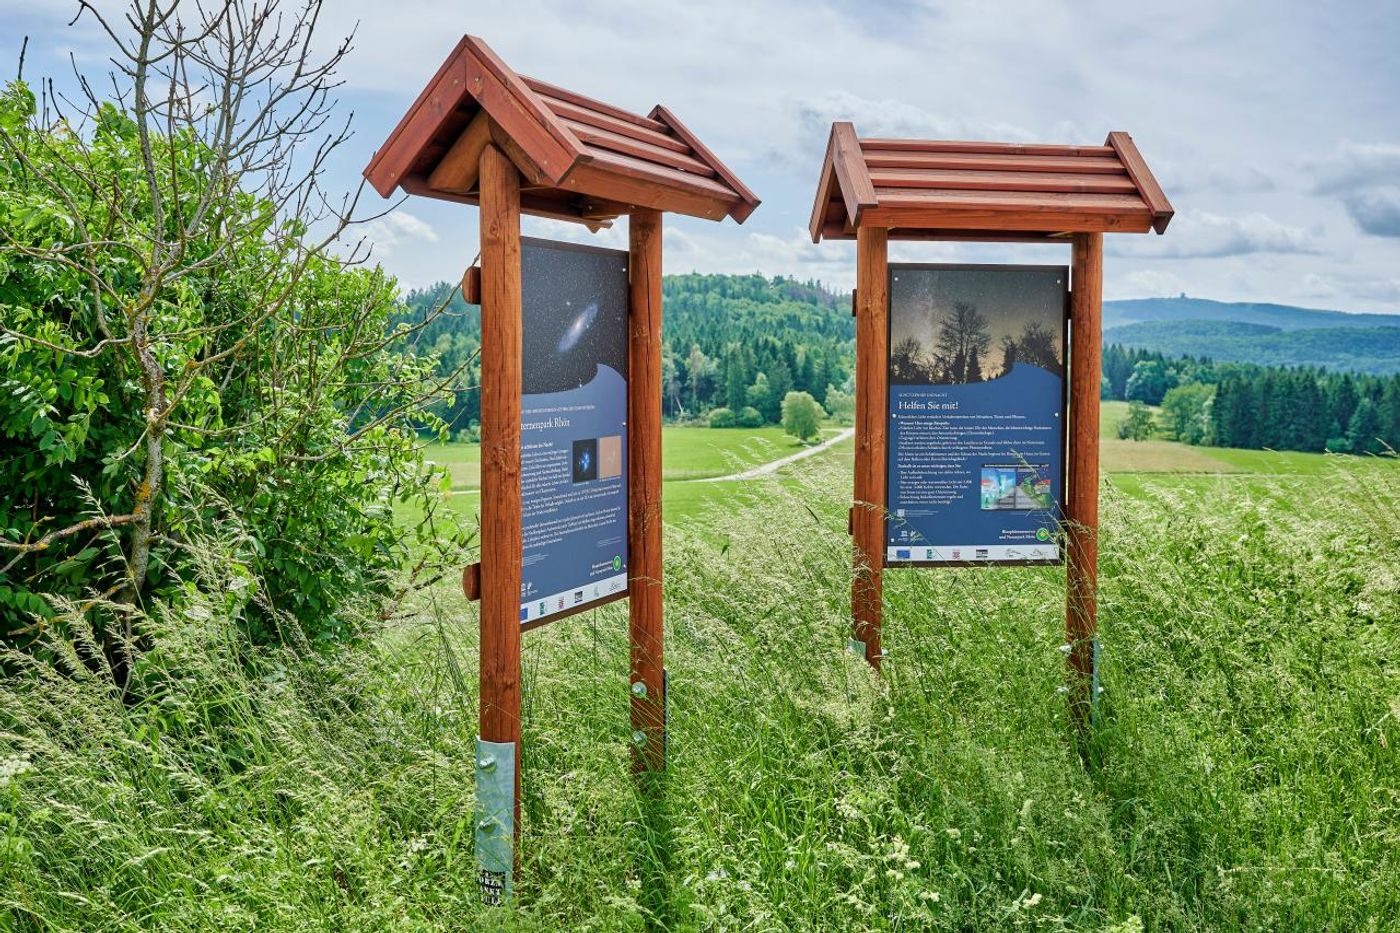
931, 190
580, 159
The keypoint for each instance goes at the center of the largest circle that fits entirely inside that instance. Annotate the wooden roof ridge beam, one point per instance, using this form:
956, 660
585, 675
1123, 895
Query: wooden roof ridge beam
748, 201
983, 147
520, 112
1136, 167
857, 190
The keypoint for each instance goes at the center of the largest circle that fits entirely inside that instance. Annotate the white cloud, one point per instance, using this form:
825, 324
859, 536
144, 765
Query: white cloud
1206, 235
1357, 165
1364, 176
699, 249
397, 229
614, 237
1375, 210
885, 117
1143, 283
1382, 290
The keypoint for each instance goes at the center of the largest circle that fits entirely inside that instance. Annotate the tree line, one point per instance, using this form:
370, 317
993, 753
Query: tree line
736, 344
741, 343
1257, 407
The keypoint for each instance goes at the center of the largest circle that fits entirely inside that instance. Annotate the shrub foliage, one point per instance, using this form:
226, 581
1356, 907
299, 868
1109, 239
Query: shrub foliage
174, 352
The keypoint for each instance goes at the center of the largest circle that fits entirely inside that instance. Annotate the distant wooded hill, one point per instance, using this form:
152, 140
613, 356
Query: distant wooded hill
739, 342
742, 342
1269, 334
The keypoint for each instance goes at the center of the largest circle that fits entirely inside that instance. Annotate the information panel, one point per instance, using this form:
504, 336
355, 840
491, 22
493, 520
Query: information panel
573, 451
976, 414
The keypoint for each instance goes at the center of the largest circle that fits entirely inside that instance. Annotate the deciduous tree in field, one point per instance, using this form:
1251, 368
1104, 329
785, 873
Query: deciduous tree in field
1186, 411
802, 416
1138, 425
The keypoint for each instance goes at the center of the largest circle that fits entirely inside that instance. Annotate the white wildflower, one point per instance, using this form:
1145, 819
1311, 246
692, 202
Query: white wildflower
13, 768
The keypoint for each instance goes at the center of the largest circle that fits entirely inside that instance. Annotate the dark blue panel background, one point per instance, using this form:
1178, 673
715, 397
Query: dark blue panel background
1029, 391
574, 357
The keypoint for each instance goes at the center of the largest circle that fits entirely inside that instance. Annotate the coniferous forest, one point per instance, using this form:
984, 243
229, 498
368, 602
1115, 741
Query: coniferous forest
1258, 407
733, 342
735, 345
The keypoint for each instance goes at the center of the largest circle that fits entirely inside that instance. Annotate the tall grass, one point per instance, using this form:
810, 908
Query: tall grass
1244, 772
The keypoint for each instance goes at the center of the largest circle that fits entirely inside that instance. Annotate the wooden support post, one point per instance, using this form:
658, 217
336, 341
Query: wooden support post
1082, 505
648, 689
872, 375
500, 457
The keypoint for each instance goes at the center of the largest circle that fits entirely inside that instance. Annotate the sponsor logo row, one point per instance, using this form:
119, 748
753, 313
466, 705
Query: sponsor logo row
961, 554
559, 602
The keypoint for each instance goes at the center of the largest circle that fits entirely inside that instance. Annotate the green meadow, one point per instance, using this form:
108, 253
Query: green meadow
689, 455
693, 458
1243, 771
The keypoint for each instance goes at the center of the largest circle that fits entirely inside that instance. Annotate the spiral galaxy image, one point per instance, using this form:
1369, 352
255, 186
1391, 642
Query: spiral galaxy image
574, 303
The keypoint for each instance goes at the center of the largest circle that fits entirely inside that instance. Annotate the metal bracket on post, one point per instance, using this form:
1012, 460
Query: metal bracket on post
495, 820
639, 737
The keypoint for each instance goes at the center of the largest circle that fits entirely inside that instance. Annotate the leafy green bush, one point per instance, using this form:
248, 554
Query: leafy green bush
802, 416
749, 417
158, 379
722, 418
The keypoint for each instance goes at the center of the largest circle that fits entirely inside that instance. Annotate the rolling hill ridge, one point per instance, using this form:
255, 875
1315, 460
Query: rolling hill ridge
1267, 334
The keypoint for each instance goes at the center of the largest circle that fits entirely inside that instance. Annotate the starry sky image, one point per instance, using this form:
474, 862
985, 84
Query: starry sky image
575, 314
1009, 298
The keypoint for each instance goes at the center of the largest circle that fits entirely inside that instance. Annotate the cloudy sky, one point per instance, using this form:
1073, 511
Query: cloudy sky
1273, 126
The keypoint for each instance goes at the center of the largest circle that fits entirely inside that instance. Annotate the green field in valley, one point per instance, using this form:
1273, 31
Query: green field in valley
688, 455
687, 452
691, 454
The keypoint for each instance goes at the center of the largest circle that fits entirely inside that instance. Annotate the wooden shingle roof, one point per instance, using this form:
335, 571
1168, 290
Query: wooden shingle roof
931, 189
581, 159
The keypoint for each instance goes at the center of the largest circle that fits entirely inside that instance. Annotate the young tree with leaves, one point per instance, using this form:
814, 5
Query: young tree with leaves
1138, 424
802, 416
180, 296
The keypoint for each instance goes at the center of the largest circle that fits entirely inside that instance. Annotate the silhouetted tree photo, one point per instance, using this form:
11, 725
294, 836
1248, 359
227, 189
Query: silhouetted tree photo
962, 339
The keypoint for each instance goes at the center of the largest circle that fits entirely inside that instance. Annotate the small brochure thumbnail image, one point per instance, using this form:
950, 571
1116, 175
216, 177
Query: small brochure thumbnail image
1033, 485
1015, 487
585, 460
597, 458
610, 456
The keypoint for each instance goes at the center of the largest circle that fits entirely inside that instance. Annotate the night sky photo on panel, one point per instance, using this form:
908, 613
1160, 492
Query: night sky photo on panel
575, 314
